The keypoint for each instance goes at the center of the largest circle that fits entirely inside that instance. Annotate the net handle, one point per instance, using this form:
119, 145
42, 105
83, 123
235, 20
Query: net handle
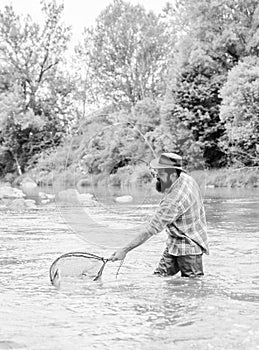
99, 274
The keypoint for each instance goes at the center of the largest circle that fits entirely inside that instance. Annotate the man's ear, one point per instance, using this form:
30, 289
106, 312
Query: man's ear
172, 176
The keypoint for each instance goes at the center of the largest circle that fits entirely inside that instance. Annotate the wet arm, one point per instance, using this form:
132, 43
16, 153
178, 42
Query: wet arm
138, 240
165, 214
142, 237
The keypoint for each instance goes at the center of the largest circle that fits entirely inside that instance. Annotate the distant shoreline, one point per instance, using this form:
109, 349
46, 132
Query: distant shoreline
246, 177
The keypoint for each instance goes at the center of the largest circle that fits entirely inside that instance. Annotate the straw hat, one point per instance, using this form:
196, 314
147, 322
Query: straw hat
167, 160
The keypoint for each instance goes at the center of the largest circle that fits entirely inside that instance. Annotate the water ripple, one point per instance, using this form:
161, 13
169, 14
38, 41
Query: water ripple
138, 310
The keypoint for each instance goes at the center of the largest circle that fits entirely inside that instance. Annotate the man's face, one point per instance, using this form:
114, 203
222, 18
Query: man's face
165, 179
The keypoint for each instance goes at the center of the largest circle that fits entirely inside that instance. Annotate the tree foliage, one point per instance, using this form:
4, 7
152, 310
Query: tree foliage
215, 36
240, 111
225, 31
126, 52
123, 138
33, 93
183, 81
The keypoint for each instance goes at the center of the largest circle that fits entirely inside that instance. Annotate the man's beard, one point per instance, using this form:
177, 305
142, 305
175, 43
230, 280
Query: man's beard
162, 186
158, 185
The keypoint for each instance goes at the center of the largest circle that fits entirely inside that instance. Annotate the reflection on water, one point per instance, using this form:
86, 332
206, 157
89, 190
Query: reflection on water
138, 310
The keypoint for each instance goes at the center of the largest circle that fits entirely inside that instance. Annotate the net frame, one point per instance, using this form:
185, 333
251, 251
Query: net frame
53, 273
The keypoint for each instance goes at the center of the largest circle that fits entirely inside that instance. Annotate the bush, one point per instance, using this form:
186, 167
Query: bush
114, 180
242, 177
141, 175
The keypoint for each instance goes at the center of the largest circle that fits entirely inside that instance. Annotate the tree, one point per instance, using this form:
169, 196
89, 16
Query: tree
34, 96
215, 35
240, 111
224, 30
17, 129
30, 52
126, 52
176, 134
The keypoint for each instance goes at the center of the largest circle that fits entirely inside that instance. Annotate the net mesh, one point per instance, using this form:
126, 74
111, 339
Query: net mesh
76, 264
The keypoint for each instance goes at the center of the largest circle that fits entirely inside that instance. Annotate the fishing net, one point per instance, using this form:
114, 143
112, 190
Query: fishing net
76, 264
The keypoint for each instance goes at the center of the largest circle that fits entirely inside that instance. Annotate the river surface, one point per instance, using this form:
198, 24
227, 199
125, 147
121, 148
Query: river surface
137, 310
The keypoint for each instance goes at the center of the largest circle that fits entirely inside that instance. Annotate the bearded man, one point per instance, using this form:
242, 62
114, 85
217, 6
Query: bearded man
181, 212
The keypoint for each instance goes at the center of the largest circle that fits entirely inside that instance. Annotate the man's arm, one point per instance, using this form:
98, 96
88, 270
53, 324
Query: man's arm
121, 253
167, 212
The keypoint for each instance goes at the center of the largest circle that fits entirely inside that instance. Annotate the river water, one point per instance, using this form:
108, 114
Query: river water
137, 310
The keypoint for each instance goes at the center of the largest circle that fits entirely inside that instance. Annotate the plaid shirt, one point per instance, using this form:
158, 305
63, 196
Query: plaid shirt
181, 212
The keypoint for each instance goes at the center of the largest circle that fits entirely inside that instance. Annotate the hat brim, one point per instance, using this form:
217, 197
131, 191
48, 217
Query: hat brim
156, 165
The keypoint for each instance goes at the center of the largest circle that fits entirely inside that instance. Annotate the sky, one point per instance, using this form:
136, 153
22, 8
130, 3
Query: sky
77, 13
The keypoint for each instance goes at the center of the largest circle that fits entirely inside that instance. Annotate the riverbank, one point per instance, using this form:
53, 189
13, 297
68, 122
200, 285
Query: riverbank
225, 177
230, 177
140, 175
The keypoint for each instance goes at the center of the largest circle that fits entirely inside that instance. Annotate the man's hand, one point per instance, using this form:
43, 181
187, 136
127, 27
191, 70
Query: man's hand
120, 254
